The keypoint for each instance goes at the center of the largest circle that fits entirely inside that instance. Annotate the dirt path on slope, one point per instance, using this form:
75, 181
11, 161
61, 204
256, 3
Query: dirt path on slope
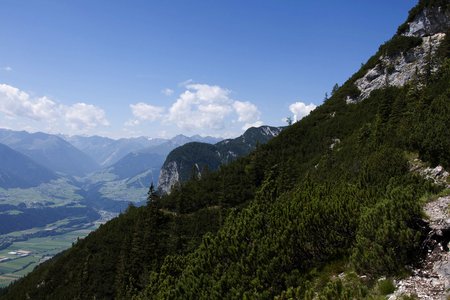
432, 280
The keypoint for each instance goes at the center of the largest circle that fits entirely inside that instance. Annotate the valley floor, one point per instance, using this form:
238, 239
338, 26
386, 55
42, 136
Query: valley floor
23, 255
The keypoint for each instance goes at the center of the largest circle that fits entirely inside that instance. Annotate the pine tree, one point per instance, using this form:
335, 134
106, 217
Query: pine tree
289, 121
335, 88
152, 196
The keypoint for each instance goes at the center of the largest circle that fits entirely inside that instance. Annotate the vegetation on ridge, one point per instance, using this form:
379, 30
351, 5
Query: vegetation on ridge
282, 222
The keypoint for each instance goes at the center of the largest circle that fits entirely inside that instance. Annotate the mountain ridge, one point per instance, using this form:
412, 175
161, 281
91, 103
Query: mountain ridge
106, 151
129, 177
50, 151
19, 171
326, 210
179, 164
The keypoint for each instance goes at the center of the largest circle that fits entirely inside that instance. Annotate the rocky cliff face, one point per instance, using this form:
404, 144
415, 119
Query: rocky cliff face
429, 21
399, 70
193, 158
431, 25
168, 177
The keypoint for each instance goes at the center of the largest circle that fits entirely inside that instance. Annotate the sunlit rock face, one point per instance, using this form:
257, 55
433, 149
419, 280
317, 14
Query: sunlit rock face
431, 25
401, 69
168, 177
429, 22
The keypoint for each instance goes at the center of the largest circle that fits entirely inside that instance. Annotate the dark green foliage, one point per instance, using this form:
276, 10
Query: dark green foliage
40, 216
387, 237
190, 154
152, 195
273, 223
429, 124
386, 287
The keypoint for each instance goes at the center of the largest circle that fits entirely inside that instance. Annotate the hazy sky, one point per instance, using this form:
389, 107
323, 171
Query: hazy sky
159, 68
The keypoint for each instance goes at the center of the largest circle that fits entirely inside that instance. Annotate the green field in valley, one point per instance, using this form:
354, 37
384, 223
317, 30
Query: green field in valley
40, 249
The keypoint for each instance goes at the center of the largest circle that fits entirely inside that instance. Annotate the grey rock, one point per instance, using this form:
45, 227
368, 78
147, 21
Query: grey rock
398, 71
168, 177
429, 22
179, 164
432, 280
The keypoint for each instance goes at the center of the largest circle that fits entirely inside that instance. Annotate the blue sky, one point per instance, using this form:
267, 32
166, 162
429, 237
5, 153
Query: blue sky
159, 68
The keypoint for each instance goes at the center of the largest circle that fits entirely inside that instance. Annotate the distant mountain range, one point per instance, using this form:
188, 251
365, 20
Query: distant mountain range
105, 169
85, 175
19, 171
128, 178
77, 174
49, 151
106, 151
192, 158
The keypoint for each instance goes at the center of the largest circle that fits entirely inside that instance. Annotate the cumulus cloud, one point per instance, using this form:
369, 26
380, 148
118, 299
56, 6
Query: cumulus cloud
201, 107
167, 92
7, 69
246, 111
145, 112
300, 110
82, 116
17, 104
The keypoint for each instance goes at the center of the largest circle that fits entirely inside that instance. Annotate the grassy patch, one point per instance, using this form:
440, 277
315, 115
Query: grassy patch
119, 191
45, 194
11, 212
385, 287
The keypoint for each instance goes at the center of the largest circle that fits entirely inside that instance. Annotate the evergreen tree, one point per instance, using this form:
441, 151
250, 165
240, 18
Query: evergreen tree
335, 89
152, 196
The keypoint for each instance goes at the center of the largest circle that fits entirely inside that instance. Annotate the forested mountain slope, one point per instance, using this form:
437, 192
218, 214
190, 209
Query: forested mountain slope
193, 159
332, 193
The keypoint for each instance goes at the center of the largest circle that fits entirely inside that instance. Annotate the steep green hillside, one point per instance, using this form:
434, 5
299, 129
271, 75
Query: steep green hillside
332, 193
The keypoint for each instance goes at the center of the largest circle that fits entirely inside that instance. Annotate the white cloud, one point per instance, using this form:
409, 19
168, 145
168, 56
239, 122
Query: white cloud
131, 123
167, 92
82, 116
17, 104
300, 110
203, 108
7, 69
246, 111
145, 112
